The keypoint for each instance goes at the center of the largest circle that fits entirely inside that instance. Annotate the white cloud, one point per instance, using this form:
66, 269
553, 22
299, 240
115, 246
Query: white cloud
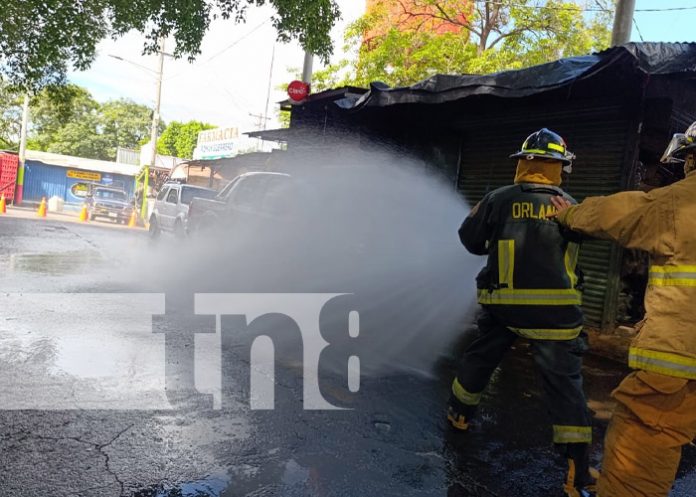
223, 86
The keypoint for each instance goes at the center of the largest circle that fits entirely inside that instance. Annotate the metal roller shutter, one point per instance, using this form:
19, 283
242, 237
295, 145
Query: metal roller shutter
597, 134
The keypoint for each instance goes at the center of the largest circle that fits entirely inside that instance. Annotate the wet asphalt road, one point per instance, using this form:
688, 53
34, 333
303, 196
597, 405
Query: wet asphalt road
68, 430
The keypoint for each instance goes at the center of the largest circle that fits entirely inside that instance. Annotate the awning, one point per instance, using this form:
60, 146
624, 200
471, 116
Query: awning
282, 135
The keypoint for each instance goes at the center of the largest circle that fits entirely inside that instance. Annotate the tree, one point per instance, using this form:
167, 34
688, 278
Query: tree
56, 107
10, 117
125, 124
501, 35
80, 138
67, 120
179, 139
41, 39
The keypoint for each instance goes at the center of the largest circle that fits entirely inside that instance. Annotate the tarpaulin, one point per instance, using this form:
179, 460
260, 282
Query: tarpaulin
648, 58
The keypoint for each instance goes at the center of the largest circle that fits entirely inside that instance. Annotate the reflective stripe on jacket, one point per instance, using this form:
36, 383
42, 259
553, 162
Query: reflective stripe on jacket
530, 280
662, 222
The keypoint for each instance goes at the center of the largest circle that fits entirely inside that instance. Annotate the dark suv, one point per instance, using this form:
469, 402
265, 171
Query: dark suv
109, 203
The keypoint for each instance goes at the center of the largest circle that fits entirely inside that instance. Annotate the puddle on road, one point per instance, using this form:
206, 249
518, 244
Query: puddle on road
289, 474
211, 486
54, 263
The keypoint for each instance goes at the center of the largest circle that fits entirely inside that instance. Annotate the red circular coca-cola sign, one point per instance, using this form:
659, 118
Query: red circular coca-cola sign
298, 91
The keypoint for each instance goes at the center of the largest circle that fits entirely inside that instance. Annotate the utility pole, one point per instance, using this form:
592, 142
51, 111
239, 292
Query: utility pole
307, 67
153, 130
22, 150
623, 22
268, 93
261, 120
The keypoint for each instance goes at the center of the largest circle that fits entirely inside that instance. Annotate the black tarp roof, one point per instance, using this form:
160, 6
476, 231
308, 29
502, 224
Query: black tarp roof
648, 58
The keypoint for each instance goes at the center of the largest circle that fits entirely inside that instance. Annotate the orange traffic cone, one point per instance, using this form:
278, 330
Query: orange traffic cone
42, 208
84, 217
3, 205
132, 221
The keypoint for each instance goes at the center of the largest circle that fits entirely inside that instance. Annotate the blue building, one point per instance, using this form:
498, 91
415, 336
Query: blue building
69, 178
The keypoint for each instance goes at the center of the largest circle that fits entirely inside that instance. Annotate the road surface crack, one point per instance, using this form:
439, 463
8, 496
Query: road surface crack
107, 459
99, 447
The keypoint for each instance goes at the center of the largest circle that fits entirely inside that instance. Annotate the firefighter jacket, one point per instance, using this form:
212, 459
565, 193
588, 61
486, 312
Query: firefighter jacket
663, 223
530, 282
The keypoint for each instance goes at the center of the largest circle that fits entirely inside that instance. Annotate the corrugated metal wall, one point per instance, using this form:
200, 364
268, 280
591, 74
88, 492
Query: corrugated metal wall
45, 180
597, 134
42, 180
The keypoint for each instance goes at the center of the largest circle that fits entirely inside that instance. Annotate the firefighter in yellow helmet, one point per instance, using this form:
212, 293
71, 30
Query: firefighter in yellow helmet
656, 412
529, 289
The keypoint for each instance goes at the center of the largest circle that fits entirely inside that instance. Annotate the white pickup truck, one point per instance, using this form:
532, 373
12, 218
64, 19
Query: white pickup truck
170, 212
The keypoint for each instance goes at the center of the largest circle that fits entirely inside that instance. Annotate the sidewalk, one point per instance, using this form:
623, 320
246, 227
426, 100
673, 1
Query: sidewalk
67, 216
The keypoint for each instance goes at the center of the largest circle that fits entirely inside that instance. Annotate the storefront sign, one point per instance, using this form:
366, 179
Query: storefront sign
217, 143
85, 175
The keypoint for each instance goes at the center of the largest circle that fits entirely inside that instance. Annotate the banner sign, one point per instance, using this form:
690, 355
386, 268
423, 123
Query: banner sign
84, 175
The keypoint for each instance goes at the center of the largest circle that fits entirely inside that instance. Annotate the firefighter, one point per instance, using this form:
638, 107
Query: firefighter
656, 411
529, 288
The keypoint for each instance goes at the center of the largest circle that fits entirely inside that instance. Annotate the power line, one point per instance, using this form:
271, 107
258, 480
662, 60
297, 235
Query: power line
578, 8
217, 54
635, 23
237, 41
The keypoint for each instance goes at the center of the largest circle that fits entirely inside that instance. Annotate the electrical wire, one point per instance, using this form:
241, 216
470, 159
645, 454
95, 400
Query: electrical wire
217, 54
578, 8
237, 41
635, 23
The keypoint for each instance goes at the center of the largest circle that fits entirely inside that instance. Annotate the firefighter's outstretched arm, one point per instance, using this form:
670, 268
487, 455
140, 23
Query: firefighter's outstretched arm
633, 219
475, 230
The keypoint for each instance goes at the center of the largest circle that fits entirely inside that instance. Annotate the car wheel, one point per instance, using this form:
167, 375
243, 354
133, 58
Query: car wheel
179, 231
205, 226
154, 229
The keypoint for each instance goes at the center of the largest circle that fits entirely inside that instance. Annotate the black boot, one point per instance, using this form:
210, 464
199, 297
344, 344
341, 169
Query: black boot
581, 480
458, 414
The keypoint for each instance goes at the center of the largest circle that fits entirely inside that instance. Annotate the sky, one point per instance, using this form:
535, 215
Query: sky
229, 81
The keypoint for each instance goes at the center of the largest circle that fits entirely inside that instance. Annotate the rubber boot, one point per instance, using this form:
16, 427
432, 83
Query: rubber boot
457, 414
581, 480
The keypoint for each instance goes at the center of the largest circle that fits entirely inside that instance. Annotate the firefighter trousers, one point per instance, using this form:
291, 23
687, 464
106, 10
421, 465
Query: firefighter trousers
655, 417
559, 362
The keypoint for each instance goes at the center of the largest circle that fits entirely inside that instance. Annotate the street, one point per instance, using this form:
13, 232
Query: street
392, 440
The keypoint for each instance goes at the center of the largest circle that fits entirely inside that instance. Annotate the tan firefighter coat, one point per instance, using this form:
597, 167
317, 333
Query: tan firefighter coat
662, 222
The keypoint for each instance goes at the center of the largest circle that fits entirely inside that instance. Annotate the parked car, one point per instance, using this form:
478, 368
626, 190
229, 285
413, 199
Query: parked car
171, 209
246, 196
111, 203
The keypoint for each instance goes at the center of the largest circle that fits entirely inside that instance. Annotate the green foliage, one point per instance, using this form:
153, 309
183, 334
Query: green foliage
10, 117
67, 120
55, 108
498, 36
126, 124
41, 39
284, 118
80, 138
179, 139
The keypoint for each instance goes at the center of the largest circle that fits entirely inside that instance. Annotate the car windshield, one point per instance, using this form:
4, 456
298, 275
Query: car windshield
189, 192
110, 195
